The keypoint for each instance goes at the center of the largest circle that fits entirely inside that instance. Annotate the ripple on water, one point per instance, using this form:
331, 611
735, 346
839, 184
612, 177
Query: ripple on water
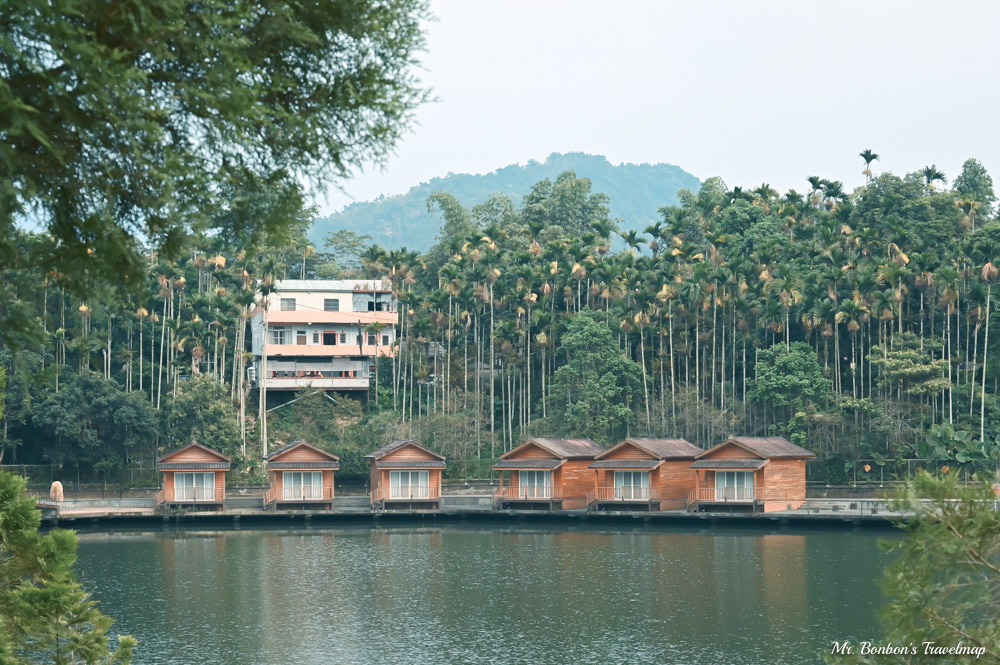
468, 595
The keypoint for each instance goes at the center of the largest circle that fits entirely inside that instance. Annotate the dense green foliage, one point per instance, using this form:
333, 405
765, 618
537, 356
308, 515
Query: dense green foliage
636, 192
45, 615
944, 585
129, 123
856, 324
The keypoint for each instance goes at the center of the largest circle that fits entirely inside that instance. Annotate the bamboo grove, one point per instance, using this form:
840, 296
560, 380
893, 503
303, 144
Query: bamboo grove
856, 323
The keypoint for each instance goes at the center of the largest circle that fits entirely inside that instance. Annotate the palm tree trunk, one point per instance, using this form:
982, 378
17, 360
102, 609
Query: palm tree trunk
163, 339
986, 340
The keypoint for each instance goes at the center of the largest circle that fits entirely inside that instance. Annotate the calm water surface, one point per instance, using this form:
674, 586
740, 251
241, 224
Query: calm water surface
316, 596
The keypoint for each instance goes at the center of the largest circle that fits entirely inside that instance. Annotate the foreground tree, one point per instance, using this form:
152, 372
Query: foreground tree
944, 587
128, 122
45, 615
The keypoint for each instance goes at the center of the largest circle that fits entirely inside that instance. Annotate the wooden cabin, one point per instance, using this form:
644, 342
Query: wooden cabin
194, 475
301, 477
405, 475
547, 473
644, 474
751, 473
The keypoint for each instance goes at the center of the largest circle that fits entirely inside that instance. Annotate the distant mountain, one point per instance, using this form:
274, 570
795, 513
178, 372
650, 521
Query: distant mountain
637, 191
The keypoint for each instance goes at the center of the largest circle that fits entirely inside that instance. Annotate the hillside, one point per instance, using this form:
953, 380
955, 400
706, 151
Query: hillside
637, 191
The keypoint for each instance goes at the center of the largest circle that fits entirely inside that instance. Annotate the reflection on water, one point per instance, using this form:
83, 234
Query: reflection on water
482, 595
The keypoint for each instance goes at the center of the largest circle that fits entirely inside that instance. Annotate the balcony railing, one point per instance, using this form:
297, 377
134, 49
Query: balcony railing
297, 382
405, 493
527, 493
190, 495
623, 493
727, 494
293, 493
408, 492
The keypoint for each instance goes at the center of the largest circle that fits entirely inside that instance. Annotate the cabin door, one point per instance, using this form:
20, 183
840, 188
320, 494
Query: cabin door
535, 484
734, 485
632, 485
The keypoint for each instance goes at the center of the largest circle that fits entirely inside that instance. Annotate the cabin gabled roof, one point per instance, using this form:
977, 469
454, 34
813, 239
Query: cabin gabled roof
561, 448
766, 447
193, 444
299, 443
397, 445
662, 449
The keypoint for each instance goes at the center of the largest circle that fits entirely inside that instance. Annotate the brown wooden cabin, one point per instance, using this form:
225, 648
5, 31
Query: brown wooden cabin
194, 475
644, 474
547, 473
750, 473
405, 475
301, 477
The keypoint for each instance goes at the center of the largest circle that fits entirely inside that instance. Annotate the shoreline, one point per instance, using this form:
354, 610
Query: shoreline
748, 521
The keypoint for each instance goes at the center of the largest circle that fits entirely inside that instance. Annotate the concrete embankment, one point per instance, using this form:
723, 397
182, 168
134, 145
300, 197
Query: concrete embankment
454, 508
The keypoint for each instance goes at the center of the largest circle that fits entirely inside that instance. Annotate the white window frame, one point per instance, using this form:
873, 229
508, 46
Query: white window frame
302, 485
194, 486
287, 304
734, 485
632, 485
535, 484
414, 484
331, 304
277, 335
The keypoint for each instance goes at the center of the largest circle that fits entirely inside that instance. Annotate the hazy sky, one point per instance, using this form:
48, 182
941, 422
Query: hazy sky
751, 91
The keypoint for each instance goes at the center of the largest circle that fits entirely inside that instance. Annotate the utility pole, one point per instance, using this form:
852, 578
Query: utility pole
263, 381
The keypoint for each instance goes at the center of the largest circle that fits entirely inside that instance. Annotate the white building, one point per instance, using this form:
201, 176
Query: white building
319, 333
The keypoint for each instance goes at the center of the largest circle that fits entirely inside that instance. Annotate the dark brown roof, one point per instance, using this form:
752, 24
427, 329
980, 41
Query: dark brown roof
729, 463
665, 448
765, 446
565, 448
296, 444
193, 444
330, 464
529, 463
410, 464
626, 464
396, 445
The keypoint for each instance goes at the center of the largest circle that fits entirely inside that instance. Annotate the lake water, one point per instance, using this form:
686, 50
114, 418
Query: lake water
457, 594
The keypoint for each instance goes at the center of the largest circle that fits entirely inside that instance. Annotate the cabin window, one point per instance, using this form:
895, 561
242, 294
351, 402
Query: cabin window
300, 337
302, 485
288, 304
278, 336
631, 485
196, 486
371, 338
385, 340
535, 484
331, 305
409, 484
734, 485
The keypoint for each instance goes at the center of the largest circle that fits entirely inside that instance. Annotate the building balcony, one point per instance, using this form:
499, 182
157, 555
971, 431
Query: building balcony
623, 494
307, 316
328, 350
299, 494
380, 495
527, 493
190, 495
323, 383
726, 495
